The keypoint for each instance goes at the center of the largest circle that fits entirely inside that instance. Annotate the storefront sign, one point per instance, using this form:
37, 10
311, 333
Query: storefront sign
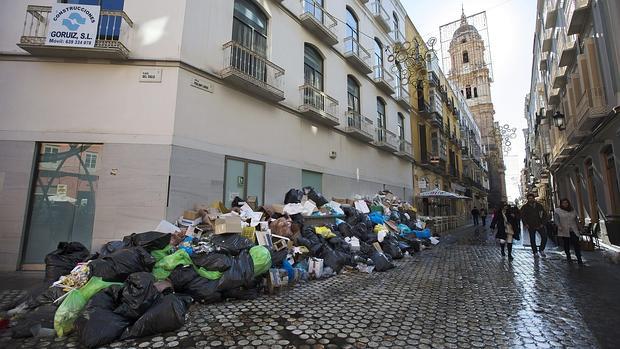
72, 25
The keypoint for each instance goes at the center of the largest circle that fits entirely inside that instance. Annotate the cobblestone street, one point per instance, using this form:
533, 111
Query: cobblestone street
461, 294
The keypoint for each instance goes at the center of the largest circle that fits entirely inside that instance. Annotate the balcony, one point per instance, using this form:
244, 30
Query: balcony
402, 97
383, 79
591, 108
318, 21
405, 150
114, 35
554, 97
567, 49
558, 76
318, 106
386, 140
551, 17
381, 16
543, 64
357, 55
251, 72
436, 120
433, 79
359, 127
547, 40
578, 17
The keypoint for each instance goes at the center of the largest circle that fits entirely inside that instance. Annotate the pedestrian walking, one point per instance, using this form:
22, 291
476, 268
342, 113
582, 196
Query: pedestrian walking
534, 218
483, 216
569, 228
475, 213
506, 222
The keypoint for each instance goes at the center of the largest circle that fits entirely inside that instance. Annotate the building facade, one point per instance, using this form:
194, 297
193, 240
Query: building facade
189, 102
470, 73
448, 153
572, 109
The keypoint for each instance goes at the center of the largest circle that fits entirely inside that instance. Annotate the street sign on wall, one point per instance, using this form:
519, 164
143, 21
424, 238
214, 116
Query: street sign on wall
72, 25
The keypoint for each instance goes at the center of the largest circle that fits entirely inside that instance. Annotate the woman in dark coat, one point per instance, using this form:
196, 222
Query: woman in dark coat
506, 220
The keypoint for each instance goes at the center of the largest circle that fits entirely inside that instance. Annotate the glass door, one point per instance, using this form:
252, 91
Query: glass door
244, 178
62, 204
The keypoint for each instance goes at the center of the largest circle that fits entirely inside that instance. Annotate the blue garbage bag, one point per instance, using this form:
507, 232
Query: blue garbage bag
376, 218
404, 229
423, 234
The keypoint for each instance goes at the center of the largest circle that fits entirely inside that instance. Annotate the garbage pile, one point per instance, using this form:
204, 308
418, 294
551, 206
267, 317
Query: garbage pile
145, 284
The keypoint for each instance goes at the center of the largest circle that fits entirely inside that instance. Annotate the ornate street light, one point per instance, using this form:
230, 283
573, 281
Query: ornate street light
558, 120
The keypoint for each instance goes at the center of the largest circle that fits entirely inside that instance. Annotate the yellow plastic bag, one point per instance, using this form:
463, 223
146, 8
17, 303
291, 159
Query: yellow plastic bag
324, 232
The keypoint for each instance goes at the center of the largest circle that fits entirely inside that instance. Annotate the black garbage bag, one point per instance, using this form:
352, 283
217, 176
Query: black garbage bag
395, 216
339, 244
112, 246
334, 259
212, 261
311, 240
203, 290
46, 297
278, 257
315, 196
181, 276
41, 317
120, 264
293, 196
345, 229
139, 294
236, 202
167, 314
391, 248
231, 244
241, 293
61, 261
98, 324
150, 240
381, 261
366, 249
240, 274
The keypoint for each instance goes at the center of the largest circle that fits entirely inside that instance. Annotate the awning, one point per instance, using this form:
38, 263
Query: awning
437, 193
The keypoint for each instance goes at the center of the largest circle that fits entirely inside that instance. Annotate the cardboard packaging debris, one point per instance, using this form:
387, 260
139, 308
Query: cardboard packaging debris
228, 224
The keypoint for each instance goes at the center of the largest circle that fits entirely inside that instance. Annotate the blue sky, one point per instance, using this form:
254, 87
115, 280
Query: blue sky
511, 32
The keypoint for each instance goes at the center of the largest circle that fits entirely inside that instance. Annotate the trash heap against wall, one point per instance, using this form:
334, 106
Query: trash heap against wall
145, 284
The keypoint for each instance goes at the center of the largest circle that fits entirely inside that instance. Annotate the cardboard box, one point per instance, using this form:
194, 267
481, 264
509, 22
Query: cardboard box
251, 201
190, 215
278, 208
280, 242
264, 238
228, 224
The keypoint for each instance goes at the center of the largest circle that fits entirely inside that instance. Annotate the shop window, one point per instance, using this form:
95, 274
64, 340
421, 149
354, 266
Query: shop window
244, 178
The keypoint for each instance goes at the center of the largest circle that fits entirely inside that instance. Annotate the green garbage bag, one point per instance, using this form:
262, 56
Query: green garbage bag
74, 302
261, 259
159, 254
166, 265
208, 274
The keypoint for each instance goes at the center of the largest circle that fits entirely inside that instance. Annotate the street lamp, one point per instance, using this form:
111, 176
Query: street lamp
558, 120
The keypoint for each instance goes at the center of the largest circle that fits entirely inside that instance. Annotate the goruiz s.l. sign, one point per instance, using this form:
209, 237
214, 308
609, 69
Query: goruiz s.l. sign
72, 25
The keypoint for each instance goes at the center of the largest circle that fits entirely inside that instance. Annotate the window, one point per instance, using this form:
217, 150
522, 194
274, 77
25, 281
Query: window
90, 161
315, 7
243, 178
401, 126
378, 53
313, 67
250, 26
611, 177
475, 92
578, 186
381, 121
109, 26
105, 4
352, 32
50, 149
468, 92
465, 57
396, 25
353, 94
312, 179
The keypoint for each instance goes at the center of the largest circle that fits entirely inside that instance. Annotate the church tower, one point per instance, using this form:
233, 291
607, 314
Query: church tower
473, 77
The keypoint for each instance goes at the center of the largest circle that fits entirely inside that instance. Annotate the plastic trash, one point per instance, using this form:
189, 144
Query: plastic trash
111, 247
167, 227
150, 240
365, 268
334, 259
73, 304
27, 325
138, 295
120, 264
61, 261
187, 280
324, 232
434, 240
167, 314
315, 196
159, 254
376, 217
261, 259
423, 234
